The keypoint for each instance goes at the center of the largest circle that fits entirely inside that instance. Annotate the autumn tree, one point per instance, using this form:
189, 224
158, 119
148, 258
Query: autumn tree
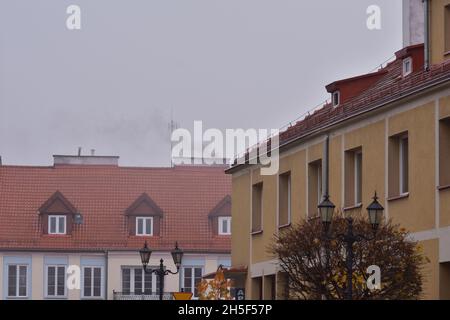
215, 289
315, 265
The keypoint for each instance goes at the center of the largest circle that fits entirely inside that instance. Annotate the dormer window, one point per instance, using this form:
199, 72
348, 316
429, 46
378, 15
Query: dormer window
336, 97
224, 226
220, 217
407, 66
144, 217
57, 215
144, 226
57, 224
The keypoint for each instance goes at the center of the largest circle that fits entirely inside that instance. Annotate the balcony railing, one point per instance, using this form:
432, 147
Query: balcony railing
139, 296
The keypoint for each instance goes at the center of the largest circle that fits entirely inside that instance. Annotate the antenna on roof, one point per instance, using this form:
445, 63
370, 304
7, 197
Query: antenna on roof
172, 127
79, 151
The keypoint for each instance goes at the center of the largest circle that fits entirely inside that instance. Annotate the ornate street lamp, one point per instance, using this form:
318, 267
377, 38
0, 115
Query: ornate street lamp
326, 210
161, 272
375, 212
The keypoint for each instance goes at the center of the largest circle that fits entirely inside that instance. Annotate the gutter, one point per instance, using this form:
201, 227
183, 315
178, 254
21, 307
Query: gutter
320, 130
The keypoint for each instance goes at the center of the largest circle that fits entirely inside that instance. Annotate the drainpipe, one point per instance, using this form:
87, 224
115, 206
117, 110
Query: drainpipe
427, 34
326, 156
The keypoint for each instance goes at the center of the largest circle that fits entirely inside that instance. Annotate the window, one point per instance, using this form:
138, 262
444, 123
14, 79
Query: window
224, 226
191, 278
136, 281
403, 162
407, 66
398, 165
314, 186
92, 285
447, 28
57, 224
17, 281
444, 152
144, 226
257, 207
284, 196
56, 279
353, 177
336, 98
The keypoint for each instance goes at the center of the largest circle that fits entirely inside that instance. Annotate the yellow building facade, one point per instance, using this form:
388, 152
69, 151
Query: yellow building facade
400, 147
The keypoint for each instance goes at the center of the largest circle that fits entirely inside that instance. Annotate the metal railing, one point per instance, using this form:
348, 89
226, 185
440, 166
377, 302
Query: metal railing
139, 296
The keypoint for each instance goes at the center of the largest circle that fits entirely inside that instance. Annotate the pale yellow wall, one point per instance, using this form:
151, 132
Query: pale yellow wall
371, 139
37, 276
295, 163
335, 187
437, 45
431, 270
269, 217
417, 212
444, 107
240, 222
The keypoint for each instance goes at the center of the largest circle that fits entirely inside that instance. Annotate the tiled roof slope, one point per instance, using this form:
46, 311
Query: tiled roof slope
102, 194
390, 87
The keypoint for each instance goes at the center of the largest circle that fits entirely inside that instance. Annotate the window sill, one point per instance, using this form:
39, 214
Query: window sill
255, 233
444, 187
224, 234
447, 53
356, 206
399, 197
284, 226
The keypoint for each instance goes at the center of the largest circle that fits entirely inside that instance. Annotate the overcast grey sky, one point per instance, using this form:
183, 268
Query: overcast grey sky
231, 63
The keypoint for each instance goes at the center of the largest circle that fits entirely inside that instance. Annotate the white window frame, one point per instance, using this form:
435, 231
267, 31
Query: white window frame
144, 227
57, 217
338, 94
357, 175
220, 231
102, 285
407, 61
55, 296
133, 280
401, 146
17, 296
192, 278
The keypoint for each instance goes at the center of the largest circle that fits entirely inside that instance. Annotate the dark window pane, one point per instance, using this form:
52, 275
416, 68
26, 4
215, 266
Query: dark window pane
61, 225
126, 284
12, 281
148, 226
97, 282
198, 278
51, 281
61, 278
188, 279
148, 283
140, 228
138, 281
22, 281
52, 224
87, 282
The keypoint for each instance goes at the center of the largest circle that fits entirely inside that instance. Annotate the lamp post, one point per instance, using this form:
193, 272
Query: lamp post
326, 210
177, 255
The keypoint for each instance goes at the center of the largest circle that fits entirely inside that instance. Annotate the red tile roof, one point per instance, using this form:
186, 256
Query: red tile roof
390, 87
102, 194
